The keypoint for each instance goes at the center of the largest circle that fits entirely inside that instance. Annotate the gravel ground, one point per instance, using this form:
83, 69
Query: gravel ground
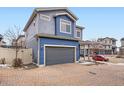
116, 60
64, 74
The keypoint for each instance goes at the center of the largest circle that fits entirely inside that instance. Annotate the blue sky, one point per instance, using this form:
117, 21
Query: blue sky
98, 22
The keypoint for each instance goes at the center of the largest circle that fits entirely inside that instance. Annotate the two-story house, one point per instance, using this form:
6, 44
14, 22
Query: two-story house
53, 35
90, 47
109, 45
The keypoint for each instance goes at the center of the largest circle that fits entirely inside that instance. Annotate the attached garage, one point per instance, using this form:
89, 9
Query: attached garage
59, 54
56, 50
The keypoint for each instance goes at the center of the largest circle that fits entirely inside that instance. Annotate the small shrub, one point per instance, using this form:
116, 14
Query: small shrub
17, 62
2, 61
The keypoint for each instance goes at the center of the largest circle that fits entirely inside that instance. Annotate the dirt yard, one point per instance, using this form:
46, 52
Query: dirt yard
64, 74
116, 60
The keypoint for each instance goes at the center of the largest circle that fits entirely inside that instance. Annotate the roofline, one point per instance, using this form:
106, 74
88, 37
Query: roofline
56, 8
30, 20
71, 17
36, 10
81, 27
108, 37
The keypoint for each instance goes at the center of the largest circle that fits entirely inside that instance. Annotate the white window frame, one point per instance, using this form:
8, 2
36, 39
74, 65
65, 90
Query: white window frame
65, 23
76, 33
42, 17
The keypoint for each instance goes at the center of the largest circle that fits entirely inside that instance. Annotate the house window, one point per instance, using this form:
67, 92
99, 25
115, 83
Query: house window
44, 17
78, 33
65, 26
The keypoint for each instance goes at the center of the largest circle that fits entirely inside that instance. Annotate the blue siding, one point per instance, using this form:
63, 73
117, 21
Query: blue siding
57, 26
57, 42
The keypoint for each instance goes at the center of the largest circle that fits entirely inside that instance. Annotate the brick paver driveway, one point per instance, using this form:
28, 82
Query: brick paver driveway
64, 74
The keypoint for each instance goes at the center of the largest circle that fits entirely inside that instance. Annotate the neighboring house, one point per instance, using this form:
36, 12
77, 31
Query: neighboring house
104, 46
90, 47
53, 35
13, 42
121, 51
21, 41
109, 45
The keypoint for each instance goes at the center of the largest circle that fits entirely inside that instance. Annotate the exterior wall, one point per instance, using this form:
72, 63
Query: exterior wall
57, 42
57, 26
31, 31
30, 40
48, 27
9, 55
33, 43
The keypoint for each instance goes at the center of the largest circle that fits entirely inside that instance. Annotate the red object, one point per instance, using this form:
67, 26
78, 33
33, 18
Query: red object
100, 58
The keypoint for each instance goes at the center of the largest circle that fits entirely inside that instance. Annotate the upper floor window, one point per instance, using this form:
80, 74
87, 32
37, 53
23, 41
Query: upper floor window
44, 17
78, 33
65, 26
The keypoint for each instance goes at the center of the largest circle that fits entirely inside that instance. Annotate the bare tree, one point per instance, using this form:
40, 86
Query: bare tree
11, 35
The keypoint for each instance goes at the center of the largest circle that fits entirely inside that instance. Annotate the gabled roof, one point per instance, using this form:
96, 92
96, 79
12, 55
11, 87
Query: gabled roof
108, 38
88, 42
56, 8
36, 10
66, 15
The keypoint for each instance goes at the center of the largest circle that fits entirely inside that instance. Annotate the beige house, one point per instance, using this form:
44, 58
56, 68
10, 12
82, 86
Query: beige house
102, 46
21, 41
109, 45
90, 47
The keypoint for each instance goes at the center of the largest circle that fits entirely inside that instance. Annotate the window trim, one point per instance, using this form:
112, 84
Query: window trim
65, 23
76, 33
42, 15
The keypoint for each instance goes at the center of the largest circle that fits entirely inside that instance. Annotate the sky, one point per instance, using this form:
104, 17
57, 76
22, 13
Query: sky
98, 22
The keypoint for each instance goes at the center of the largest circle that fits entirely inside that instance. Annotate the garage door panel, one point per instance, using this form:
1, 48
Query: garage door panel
59, 55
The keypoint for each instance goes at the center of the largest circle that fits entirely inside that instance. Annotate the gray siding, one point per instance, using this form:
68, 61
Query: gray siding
31, 31
33, 43
48, 27
30, 40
